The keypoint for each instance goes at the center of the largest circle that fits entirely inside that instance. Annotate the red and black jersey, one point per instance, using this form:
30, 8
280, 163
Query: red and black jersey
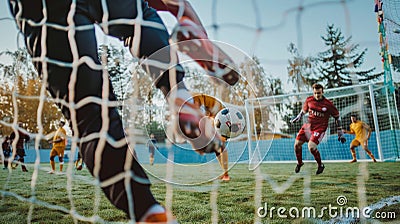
319, 112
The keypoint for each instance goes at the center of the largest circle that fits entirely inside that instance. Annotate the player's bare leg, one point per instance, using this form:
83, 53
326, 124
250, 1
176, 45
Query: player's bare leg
369, 153
223, 162
299, 156
353, 154
312, 146
151, 159
61, 161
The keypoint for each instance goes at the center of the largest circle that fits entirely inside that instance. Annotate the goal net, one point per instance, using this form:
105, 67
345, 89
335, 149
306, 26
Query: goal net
186, 183
271, 136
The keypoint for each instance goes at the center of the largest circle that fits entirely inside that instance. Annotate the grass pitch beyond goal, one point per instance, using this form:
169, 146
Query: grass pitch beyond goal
269, 194
264, 192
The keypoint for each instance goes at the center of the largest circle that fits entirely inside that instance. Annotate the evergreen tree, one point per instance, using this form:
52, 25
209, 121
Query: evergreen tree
339, 64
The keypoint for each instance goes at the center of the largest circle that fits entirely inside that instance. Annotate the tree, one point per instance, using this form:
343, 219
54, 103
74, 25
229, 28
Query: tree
117, 64
300, 69
259, 84
20, 92
338, 65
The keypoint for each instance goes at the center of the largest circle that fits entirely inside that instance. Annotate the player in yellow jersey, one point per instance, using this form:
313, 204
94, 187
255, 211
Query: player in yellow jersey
211, 106
59, 143
362, 131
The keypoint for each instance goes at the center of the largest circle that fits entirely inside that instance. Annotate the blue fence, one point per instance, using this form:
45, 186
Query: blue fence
269, 150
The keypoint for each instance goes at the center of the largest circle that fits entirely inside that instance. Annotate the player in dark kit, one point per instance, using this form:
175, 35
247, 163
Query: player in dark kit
320, 110
21, 138
60, 37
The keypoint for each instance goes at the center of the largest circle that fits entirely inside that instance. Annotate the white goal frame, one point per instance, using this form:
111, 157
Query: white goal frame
374, 103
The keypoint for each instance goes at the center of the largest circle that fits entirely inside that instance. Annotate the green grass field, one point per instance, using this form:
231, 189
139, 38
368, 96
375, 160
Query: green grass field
360, 183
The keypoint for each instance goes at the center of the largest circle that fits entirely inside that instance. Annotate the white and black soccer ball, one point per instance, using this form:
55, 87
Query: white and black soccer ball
229, 122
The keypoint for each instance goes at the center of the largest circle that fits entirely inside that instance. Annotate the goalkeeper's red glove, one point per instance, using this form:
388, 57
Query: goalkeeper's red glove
341, 137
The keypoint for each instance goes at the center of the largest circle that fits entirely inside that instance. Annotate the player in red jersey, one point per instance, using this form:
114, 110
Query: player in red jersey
320, 110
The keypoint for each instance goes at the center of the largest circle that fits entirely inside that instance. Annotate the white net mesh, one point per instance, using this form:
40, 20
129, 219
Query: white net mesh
183, 170
271, 136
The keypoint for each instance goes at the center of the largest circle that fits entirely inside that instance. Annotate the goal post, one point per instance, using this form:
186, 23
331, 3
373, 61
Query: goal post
271, 136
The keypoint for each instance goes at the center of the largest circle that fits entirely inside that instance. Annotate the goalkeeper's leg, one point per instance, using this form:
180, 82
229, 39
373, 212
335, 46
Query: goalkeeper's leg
223, 162
89, 82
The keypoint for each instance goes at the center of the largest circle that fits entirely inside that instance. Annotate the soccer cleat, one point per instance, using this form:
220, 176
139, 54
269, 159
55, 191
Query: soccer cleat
193, 41
320, 169
51, 172
14, 165
225, 178
158, 218
197, 128
298, 167
353, 161
79, 167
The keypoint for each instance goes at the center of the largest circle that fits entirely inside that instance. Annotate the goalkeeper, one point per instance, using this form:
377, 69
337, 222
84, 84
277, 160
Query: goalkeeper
319, 110
60, 36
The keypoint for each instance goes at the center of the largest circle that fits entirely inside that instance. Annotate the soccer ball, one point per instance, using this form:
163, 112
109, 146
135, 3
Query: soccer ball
229, 122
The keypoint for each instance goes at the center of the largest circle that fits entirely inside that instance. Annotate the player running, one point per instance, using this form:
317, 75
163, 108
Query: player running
59, 143
319, 109
20, 137
362, 131
211, 106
